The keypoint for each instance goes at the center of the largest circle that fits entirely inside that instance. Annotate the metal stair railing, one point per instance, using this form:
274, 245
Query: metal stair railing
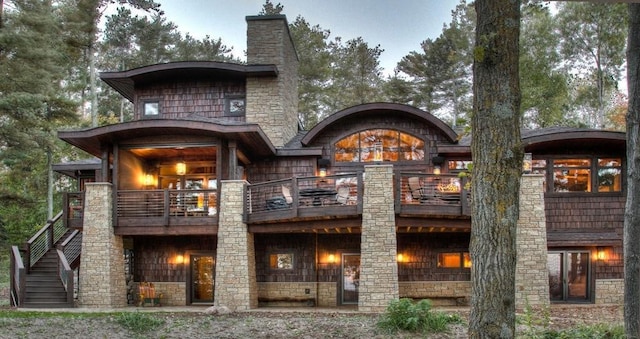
44, 240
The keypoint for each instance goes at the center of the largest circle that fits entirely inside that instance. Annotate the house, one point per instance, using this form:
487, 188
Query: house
213, 194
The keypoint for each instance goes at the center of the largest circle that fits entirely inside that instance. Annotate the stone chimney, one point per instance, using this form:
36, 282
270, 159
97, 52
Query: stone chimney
272, 102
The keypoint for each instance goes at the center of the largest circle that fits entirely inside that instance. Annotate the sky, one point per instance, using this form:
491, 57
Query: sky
398, 26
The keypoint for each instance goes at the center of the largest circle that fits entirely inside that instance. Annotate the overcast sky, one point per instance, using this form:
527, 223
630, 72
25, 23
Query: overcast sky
398, 26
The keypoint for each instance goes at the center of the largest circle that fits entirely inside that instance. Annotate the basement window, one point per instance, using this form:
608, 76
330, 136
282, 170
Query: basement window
281, 261
454, 260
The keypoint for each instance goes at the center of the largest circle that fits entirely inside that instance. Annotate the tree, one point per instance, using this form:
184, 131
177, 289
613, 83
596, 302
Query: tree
497, 158
593, 41
543, 80
441, 72
632, 209
314, 69
268, 8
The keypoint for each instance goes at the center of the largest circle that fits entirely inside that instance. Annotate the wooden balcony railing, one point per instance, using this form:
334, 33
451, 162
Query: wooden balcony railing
43, 240
166, 207
306, 197
420, 194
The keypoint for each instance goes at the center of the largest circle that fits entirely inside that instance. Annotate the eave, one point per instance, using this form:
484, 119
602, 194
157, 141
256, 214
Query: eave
125, 82
248, 136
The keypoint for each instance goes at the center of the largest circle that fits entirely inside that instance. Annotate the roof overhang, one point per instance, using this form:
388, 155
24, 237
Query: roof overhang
92, 140
380, 108
583, 237
125, 82
75, 169
549, 138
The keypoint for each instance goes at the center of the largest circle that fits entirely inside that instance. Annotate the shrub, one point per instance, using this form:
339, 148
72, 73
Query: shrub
406, 315
138, 322
598, 331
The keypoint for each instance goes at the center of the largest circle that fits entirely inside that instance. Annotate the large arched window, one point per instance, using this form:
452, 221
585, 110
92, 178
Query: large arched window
379, 145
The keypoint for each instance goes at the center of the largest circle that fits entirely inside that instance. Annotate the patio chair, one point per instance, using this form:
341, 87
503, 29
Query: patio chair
418, 192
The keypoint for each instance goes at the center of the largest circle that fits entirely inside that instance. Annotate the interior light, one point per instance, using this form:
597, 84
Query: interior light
322, 172
436, 170
181, 168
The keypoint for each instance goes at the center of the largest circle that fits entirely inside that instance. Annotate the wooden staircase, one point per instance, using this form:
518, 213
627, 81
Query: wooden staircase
44, 289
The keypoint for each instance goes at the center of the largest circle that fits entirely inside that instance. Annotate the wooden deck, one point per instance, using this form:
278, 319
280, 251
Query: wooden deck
293, 201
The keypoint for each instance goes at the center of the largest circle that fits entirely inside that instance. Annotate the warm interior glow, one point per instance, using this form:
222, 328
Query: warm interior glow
332, 258
179, 259
400, 257
148, 180
322, 172
181, 168
436, 170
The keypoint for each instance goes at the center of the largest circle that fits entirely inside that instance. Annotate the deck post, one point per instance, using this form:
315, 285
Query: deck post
102, 277
378, 249
236, 286
532, 274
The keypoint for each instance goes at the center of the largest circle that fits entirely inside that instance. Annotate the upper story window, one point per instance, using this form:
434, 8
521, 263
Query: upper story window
151, 109
576, 175
235, 106
379, 145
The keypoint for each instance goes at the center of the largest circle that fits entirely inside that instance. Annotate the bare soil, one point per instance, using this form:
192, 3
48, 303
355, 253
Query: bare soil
273, 323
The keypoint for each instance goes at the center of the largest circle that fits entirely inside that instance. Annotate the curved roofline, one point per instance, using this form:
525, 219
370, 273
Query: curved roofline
572, 134
379, 107
90, 140
124, 81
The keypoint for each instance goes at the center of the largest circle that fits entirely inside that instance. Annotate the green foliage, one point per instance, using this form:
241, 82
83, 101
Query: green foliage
407, 315
138, 322
598, 331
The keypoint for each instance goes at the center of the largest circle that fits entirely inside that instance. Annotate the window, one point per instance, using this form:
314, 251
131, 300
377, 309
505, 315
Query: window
151, 109
572, 175
281, 261
454, 260
379, 145
609, 175
459, 165
235, 106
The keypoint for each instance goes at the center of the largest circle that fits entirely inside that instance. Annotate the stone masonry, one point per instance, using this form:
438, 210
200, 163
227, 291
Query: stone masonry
236, 286
272, 102
532, 277
102, 277
610, 291
378, 265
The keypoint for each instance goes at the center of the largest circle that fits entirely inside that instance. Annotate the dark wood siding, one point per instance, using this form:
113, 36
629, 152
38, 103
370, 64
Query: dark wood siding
275, 169
185, 99
587, 222
154, 257
421, 252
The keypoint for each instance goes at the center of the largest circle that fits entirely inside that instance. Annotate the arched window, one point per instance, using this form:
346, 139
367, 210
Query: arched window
379, 145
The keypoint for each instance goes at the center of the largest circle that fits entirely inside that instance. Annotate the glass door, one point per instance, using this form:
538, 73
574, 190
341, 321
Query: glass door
350, 278
202, 278
568, 275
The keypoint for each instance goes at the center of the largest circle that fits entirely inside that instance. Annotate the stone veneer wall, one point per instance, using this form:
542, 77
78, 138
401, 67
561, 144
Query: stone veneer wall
173, 293
532, 274
102, 277
450, 293
272, 102
610, 291
378, 265
236, 286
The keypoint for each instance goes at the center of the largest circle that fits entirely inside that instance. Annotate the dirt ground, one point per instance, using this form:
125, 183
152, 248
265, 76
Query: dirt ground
271, 323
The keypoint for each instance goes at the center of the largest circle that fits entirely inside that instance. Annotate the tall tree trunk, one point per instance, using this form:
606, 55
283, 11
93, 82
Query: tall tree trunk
497, 167
632, 208
93, 89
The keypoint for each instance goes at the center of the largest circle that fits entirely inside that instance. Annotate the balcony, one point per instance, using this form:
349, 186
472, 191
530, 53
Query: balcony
162, 212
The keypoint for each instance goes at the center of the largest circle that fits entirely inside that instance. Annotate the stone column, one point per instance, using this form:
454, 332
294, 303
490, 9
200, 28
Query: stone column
235, 284
532, 274
102, 276
378, 249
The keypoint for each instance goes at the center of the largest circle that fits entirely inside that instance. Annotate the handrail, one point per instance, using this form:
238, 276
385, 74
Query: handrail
66, 275
18, 278
72, 246
43, 240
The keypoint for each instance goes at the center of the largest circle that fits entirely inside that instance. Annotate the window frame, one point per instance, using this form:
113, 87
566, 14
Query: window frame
227, 106
276, 268
594, 168
425, 147
143, 108
462, 263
